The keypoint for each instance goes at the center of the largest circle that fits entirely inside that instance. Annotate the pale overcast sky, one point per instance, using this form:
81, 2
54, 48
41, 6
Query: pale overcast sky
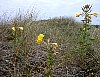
50, 8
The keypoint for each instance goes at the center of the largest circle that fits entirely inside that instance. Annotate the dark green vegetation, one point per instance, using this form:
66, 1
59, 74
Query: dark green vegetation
31, 60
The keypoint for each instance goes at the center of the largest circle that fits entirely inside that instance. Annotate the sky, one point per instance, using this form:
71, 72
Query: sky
49, 8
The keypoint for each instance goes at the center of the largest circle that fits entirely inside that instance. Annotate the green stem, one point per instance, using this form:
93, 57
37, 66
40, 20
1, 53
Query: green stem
50, 63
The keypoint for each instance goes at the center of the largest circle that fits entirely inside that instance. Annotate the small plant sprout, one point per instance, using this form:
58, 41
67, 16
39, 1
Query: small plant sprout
87, 14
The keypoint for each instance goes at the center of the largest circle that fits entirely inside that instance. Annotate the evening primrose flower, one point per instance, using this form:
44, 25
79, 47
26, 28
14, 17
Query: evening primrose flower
95, 14
13, 28
21, 28
40, 38
84, 29
78, 14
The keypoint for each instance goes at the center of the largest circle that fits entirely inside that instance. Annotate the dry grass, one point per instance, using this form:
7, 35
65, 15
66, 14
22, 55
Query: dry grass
32, 58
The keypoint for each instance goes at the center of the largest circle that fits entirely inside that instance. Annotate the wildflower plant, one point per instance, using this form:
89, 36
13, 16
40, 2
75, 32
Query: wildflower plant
85, 50
17, 43
84, 34
51, 47
20, 53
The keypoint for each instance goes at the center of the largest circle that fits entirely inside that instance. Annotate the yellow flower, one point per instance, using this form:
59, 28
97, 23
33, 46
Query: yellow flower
95, 14
21, 28
84, 28
13, 28
78, 14
40, 38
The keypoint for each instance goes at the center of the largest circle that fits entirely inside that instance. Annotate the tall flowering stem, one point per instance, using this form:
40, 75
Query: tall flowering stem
51, 47
17, 41
85, 42
84, 36
49, 62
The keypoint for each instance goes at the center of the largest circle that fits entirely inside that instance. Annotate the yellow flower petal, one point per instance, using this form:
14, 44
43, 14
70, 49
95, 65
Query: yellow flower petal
84, 28
78, 14
95, 14
40, 38
21, 28
13, 28
38, 41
